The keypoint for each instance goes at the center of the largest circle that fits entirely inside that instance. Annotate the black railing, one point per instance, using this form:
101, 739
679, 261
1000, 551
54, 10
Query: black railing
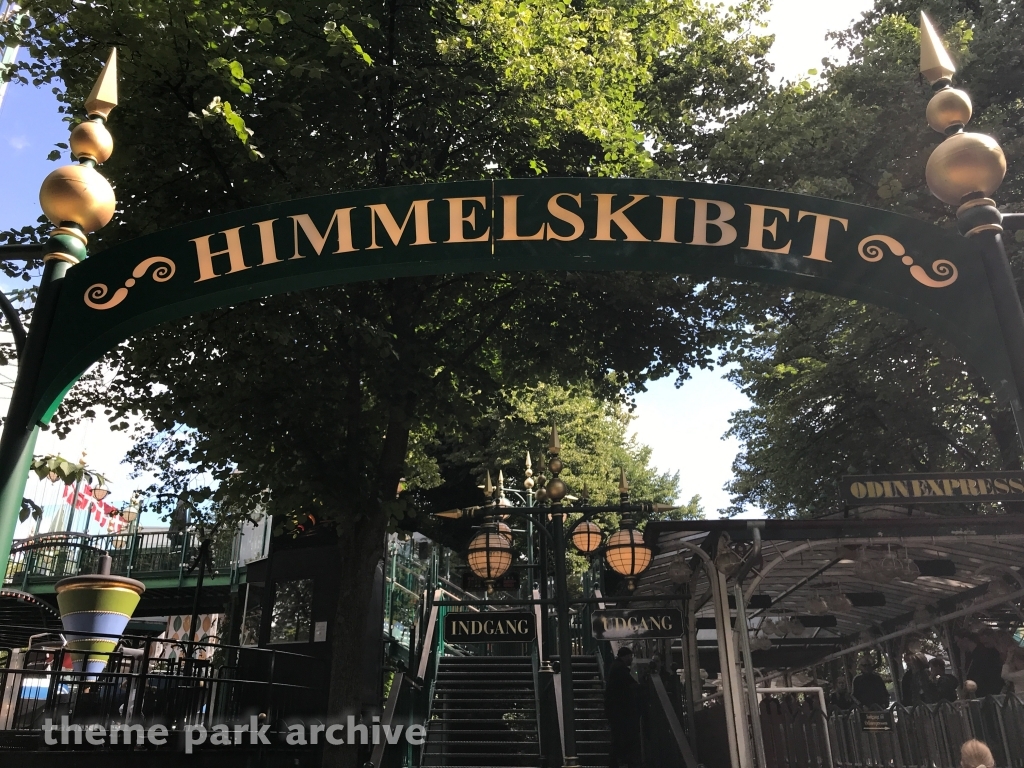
930, 735
231, 685
51, 556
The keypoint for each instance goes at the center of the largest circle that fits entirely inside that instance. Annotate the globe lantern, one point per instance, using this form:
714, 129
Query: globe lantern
489, 555
679, 572
627, 554
727, 561
586, 537
505, 530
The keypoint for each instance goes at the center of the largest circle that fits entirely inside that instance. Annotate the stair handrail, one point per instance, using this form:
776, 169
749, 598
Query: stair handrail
453, 596
538, 614
674, 726
389, 715
428, 636
613, 644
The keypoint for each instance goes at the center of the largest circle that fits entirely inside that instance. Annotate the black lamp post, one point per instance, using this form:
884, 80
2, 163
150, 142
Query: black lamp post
490, 553
964, 170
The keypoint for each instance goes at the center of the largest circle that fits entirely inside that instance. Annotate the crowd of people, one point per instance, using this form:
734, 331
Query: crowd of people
993, 664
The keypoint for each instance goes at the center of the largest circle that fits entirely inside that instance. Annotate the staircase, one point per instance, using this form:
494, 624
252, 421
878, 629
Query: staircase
593, 736
484, 714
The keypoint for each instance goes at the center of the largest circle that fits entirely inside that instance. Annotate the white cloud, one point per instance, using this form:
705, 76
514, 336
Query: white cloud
18, 143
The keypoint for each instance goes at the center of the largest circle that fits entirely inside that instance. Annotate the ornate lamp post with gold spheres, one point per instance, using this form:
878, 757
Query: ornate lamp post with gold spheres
79, 201
963, 171
490, 552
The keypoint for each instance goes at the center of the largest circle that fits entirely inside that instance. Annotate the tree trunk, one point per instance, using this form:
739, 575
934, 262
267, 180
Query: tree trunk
360, 547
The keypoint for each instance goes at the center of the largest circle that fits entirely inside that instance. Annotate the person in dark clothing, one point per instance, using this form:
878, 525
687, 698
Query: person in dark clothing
622, 708
916, 685
841, 698
945, 685
869, 688
984, 663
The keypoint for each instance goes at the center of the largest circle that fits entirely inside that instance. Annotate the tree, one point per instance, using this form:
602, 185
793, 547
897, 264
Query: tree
838, 386
312, 403
595, 445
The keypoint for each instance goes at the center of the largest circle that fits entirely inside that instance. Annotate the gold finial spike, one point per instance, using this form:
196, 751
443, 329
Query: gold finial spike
103, 97
501, 480
554, 447
623, 482
529, 461
935, 62
488, 486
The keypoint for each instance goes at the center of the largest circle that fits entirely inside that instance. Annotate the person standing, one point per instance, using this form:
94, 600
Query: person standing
944, 684
868, 687
1013, 668
841, 698
986, 664
622, 708
916, 686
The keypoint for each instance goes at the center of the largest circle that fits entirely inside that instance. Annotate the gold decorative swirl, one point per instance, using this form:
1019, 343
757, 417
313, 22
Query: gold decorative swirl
871, 249
942, 268
874, 252
163, 272
95, 294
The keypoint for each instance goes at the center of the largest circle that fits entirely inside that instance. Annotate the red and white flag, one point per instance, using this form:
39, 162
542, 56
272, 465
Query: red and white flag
104, 514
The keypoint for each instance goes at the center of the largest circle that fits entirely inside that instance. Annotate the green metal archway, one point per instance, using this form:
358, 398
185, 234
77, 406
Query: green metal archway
926, 273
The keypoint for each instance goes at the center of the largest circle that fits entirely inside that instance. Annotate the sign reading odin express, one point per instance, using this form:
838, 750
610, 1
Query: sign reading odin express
503, 626
637, 624
933, 488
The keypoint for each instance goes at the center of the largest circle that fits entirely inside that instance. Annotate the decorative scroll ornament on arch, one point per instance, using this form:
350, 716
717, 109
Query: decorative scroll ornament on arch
870, 249
96, 293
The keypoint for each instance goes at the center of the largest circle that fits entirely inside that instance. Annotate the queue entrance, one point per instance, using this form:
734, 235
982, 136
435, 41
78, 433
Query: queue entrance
788, 619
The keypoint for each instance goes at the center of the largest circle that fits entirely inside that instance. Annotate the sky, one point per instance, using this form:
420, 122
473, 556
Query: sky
684, 427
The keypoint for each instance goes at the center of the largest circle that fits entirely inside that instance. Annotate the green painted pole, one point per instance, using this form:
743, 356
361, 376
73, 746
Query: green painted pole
10, 498
18, 440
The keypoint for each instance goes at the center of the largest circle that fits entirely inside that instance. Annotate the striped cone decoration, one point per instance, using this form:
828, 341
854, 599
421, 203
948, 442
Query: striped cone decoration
97, 608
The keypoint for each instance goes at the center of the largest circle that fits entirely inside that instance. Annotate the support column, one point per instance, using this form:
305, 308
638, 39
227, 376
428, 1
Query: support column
735, 719
19, 436
10, 500
564, 644
748, 673
693, 682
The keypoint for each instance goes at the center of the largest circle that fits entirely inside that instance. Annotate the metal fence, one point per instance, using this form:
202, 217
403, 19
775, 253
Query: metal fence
794, 733
930, 735
138, 686
52, 556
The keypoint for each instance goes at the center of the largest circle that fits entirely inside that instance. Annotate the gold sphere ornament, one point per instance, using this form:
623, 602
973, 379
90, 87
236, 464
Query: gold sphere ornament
586, 536
91, 140
556, 489
965, 164
77, 193
949, 108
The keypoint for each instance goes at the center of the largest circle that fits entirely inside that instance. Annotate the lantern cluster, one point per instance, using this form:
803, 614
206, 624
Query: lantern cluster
625, 551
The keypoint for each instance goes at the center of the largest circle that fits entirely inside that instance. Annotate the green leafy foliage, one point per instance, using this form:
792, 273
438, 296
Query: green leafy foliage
313, 405
29, 509
837, 386
57, 468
